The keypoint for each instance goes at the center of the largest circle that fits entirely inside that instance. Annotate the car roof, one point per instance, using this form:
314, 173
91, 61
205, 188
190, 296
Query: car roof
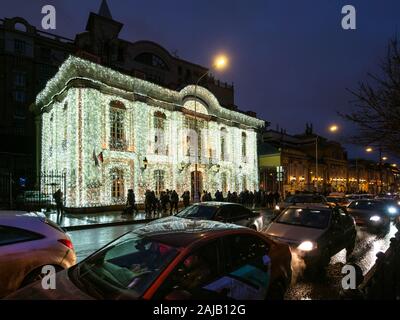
311, 206
216, 204
21, 219
181, 232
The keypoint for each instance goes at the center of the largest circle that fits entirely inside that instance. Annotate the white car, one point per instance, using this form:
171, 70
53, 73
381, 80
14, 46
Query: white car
28, 242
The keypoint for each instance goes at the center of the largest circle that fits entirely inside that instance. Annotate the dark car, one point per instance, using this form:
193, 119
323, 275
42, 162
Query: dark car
177, 259
315, 232
224, 212
374, 214
300, 198
393, 206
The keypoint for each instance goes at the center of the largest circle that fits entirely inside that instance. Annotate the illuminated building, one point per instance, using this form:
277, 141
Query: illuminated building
110, 132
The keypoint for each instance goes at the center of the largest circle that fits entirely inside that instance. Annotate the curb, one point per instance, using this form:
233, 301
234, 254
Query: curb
104, 225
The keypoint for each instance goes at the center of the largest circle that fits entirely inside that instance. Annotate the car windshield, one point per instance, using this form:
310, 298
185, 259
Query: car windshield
198, 212
367, 205
336, 199
125, 268
305, 199
311, 218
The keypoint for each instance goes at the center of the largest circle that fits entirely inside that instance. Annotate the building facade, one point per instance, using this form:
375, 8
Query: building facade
29, 57
110, 132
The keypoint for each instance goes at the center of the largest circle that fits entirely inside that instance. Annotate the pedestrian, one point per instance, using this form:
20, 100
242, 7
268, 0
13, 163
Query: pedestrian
147, 203
130, 203
270, 200
277, 197
174, 202
164, 199
186, 198
59, 205
155, 206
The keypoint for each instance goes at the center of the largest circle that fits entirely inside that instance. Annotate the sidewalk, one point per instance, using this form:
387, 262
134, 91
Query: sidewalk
71, 222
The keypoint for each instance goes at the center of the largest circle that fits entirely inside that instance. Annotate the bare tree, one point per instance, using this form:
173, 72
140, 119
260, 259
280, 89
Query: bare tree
377, 106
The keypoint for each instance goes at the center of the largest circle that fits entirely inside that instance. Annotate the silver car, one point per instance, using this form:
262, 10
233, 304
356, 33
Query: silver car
27, 243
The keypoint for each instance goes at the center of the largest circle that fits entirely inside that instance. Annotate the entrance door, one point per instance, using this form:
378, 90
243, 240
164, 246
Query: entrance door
199, 182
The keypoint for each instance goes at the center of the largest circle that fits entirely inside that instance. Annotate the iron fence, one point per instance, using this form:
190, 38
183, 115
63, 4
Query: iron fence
31, 192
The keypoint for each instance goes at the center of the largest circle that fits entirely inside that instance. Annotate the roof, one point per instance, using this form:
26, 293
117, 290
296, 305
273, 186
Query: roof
311, 206
75, 71
181, 232
216, 203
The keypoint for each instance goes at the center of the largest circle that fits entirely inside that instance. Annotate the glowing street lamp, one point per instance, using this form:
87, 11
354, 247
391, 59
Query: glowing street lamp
369, 149
384, 158
220, 63
333, 128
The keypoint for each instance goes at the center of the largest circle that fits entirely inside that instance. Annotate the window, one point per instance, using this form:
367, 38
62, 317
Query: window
11, 235
159, 137
45, 53
159, 178
194, 130
19, 47
19, 79
117, 132
224, 182
151, 59
192, 276
244, 146
19, 96
223, 144
117, 187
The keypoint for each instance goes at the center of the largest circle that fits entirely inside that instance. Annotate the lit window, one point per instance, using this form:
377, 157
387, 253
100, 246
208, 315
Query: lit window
117, 186
159, 137
244, 146
159, 178
117, 132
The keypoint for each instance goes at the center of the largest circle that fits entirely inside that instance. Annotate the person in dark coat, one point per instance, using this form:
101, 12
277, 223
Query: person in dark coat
130, 202
147, 203
186, 198
277, 197
174, 202
59, 204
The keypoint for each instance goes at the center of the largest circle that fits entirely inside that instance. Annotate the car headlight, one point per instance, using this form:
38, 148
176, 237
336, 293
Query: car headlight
398, 202
307, 246
375, 218
392, 210
277, 207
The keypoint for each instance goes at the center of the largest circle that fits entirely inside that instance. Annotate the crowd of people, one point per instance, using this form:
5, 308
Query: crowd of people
167, 201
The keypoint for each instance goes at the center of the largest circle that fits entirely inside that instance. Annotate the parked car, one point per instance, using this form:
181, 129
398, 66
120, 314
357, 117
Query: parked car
374, 214
315, 232
299, 199
27, 243
341, 201
177, 259
393, 206
224, 212
359, 196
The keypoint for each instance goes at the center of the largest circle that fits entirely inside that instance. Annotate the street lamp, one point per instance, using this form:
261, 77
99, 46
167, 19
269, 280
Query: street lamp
333, 128
220, 63
369, 149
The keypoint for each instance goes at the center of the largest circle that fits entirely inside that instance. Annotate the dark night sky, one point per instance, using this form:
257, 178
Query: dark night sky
291, 61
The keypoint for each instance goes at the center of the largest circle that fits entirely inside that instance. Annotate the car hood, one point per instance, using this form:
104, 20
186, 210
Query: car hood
65, 290
293, 235
364, 213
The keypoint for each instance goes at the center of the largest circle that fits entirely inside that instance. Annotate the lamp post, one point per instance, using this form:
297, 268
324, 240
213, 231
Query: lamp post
219, 63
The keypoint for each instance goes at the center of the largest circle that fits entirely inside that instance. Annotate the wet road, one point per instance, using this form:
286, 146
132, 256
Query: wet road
88, 241
327, 286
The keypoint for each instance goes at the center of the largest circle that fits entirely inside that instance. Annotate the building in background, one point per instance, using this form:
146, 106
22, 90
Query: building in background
110, 132
288, 163
30, 57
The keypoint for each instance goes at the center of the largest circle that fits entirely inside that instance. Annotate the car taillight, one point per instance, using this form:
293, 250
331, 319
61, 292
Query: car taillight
67, 243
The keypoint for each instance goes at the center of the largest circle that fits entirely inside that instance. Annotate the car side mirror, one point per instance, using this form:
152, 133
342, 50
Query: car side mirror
178, 294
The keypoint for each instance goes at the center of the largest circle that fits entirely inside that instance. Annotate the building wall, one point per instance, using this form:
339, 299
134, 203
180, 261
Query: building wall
76, 130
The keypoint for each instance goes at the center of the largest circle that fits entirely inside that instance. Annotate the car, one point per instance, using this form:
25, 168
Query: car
314, 232
373, 214
393, 206
224, 212
299, 198
359, 196
341, 201
28, 242
177, 259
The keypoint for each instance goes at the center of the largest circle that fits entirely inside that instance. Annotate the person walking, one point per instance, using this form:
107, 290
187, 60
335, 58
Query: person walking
174, 202
186, 198
130, 203
59, 204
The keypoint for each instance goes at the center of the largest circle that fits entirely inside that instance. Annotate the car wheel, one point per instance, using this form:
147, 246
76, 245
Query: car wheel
276, 290
36, 275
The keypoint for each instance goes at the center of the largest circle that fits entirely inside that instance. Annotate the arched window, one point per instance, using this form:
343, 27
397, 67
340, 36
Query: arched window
223, 144
151, 59
117, 185
117, 126
159, 178
159, 135
244, 146
20, 27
